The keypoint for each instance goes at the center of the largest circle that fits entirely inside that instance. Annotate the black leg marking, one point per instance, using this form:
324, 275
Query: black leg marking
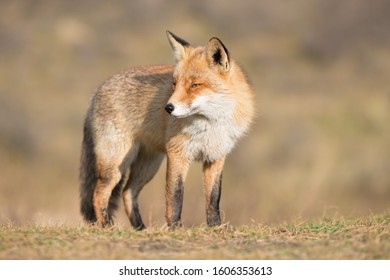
136, 220
213, 213
177, 204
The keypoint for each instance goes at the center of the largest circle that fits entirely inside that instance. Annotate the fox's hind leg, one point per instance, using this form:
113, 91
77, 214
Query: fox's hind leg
108, 180
112, 172
142, 171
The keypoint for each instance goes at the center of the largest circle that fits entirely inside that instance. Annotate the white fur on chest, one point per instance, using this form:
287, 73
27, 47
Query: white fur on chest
210, 140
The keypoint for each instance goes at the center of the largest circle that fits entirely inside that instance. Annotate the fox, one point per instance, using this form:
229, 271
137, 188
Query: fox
193, 110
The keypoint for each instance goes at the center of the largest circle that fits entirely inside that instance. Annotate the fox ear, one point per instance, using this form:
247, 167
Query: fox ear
178, 45
218, 55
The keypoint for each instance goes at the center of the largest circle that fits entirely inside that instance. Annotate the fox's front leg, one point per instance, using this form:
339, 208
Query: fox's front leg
212, 173
177, 168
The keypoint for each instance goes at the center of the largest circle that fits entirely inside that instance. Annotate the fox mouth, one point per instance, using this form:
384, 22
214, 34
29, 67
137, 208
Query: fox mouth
185, 115
181, 116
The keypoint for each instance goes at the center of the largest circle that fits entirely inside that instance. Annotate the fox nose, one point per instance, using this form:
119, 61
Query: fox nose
169, 108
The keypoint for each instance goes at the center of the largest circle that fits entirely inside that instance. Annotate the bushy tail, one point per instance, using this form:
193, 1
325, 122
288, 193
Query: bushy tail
88, 176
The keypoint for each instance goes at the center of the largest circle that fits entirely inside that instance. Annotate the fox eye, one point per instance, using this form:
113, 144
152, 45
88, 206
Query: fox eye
173, 84
195, 85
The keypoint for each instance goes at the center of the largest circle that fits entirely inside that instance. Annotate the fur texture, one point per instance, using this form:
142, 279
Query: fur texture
208, 107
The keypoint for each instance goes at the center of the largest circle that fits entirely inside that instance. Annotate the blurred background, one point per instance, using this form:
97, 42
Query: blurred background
320, 145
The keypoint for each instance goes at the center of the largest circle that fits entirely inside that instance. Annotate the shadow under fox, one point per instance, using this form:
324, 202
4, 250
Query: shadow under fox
195, 110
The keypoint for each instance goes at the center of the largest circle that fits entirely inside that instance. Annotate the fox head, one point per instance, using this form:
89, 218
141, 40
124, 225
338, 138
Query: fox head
201, 78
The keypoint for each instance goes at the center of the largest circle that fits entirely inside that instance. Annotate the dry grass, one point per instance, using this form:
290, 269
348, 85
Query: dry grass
364, 238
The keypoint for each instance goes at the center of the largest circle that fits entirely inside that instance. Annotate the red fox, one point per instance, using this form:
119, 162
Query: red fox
195, 110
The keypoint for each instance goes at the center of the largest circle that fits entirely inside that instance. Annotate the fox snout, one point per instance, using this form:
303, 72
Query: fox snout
179, 110
169, 108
